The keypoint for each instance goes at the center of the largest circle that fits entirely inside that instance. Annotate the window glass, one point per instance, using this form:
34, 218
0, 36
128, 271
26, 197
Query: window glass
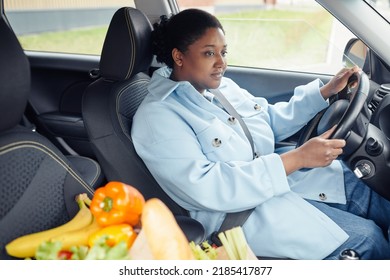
68, 26
297, 35
382, 7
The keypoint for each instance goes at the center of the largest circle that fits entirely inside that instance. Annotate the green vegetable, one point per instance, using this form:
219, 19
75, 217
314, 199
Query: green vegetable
79, 253
204, 252
48, 251
100, 251
235, 243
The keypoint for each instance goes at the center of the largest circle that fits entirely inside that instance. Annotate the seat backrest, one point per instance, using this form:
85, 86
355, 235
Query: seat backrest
110, 103
37, 184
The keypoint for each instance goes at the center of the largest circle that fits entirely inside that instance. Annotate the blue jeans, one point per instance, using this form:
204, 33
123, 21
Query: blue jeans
365, 218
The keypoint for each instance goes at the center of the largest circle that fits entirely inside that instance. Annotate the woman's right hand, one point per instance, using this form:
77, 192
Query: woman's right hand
319, 151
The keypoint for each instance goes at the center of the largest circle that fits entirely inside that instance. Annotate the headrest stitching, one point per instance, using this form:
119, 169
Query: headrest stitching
132, 37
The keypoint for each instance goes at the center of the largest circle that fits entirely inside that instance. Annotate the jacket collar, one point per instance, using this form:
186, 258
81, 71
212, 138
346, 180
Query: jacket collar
161, 86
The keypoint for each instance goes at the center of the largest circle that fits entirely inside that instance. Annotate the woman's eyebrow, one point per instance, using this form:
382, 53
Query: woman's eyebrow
213, 46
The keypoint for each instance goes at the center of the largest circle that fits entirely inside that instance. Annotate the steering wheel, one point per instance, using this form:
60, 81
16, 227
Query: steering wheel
343, 111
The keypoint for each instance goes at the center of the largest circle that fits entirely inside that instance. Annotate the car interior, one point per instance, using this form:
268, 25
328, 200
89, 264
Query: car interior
68, 118
108, 107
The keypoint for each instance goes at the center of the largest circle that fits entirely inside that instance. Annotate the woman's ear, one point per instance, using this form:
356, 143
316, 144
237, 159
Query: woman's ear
177, 57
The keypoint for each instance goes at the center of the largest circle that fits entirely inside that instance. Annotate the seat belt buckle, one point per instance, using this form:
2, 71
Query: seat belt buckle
214, 239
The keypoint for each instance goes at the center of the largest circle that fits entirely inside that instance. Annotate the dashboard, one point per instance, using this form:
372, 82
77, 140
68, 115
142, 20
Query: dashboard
379, 106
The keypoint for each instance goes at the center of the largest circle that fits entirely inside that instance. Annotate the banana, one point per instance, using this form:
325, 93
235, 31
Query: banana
78, 237
25, 246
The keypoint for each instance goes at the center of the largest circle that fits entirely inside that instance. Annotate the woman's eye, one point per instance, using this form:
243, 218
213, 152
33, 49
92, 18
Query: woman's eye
224, 53
210, 53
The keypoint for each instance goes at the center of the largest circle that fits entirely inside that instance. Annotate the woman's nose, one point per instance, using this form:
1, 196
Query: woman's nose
221, 61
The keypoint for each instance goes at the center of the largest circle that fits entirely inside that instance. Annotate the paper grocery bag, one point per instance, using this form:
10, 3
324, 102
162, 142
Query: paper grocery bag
140, 249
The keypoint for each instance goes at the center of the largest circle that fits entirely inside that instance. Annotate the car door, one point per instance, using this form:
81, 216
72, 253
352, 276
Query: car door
58, 83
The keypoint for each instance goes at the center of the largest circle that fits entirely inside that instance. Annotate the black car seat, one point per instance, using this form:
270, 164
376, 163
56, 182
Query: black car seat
37, 182
109, 103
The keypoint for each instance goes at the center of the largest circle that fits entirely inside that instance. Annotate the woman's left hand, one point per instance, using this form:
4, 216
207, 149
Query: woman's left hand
338, 82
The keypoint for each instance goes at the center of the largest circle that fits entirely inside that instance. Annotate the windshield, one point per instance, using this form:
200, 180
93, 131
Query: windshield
381, 6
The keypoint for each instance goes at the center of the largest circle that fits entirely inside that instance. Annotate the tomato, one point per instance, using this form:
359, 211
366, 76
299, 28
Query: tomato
64, 255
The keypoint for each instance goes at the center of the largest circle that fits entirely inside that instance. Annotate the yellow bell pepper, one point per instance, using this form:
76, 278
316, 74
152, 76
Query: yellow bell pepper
114, 235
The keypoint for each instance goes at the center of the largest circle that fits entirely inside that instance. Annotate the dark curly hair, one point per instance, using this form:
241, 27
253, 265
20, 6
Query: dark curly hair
179, 31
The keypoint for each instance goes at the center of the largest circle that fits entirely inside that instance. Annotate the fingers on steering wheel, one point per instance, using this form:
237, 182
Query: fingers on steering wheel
334, 151
338, 143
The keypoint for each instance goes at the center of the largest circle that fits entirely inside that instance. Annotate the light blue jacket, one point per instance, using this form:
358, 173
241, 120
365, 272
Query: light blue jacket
205, 163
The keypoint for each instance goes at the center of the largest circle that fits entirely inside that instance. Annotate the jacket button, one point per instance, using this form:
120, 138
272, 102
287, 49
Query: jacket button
232, 120
216, 142
257, 107
322, 196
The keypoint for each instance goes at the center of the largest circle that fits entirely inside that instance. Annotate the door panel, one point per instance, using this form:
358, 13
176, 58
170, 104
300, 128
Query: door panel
58, 83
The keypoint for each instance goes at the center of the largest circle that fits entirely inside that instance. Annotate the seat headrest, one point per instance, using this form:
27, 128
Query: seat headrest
14, 78
127, 46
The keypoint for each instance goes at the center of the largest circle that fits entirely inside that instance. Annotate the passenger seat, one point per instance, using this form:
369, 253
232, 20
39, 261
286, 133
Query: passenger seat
38, 184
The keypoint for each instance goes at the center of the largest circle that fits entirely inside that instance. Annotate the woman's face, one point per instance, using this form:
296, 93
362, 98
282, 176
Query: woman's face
204, 62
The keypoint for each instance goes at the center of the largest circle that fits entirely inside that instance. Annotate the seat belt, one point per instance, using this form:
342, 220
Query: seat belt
238, 218
231, 220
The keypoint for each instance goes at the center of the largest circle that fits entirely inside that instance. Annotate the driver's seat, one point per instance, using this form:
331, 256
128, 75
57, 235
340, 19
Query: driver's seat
110, 103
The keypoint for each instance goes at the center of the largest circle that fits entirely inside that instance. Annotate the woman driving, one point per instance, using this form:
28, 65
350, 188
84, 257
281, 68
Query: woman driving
202, 158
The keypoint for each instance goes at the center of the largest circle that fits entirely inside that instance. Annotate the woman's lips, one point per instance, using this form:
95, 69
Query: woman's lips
217, 75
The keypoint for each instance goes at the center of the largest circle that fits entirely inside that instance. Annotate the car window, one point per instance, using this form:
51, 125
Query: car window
297, 35
62, 25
